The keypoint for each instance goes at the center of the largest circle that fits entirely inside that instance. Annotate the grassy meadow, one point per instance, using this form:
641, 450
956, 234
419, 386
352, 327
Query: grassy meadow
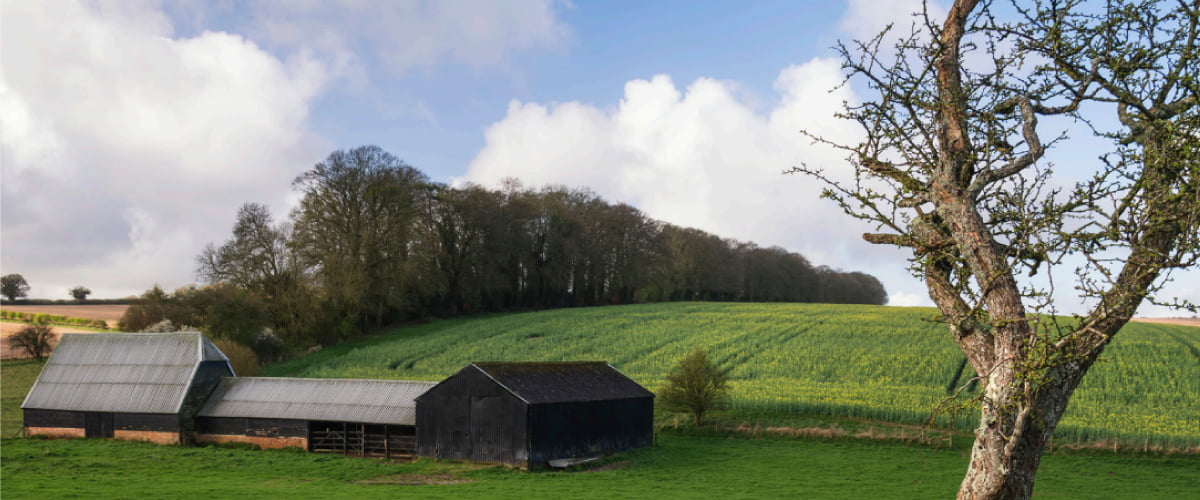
843, 361
681, 465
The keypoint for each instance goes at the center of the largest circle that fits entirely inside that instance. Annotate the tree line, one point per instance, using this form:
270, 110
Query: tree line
374, 242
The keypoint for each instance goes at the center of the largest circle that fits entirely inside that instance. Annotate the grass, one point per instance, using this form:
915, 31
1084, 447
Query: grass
16, 377
849, 362
682, 465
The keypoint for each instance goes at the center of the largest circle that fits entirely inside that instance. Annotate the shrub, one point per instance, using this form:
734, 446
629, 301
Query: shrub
34, 340
241, 358
696, 385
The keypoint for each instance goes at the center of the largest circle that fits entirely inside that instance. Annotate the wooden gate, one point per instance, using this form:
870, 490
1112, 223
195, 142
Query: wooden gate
362, 440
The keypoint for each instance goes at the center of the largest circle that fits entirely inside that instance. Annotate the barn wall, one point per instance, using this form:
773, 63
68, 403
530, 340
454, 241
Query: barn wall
589, 428
252, 427
154, 422
208, 375
261, 432
51, 419
469, 417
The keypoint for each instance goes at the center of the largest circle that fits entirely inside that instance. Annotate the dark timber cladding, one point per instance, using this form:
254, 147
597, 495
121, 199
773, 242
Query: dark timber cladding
526, 414
351, 416
124, 385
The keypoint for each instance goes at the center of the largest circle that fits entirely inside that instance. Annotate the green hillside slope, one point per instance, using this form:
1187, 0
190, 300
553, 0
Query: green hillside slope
871, 362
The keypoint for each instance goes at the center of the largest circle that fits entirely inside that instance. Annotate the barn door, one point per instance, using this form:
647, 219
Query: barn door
487, 429
98, 425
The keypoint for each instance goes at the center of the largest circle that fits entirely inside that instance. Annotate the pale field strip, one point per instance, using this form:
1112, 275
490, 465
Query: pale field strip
107, 312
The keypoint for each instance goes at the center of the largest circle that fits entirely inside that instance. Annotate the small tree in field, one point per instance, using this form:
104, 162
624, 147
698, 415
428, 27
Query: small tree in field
13, 286
696, 386
34, 340
80, 293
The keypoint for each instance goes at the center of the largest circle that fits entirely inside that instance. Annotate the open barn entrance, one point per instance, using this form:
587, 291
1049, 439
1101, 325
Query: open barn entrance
362, 440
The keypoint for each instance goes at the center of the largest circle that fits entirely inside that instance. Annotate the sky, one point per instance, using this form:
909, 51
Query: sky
131, 132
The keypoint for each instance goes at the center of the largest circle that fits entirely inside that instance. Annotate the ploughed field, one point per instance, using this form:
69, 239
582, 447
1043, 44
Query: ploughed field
844, 361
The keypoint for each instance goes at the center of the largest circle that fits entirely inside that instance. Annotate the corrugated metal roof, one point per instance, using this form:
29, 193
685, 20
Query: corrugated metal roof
542, 382
120, 372
343, 400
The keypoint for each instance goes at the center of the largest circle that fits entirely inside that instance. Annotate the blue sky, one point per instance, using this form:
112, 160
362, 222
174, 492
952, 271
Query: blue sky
133, 131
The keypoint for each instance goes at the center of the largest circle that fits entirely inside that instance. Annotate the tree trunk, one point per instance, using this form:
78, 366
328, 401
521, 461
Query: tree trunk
1011, 436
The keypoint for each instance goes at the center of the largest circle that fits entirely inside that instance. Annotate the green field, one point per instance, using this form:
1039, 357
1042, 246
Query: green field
868, 362
682, 465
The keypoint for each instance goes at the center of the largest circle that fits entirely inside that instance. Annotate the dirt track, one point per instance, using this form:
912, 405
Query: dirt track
110, 313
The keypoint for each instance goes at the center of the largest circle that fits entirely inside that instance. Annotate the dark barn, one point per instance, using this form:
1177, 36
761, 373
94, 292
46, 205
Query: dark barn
136, 386
526, 414
369, 418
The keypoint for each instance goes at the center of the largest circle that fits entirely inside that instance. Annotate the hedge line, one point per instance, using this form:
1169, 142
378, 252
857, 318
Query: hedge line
52, 319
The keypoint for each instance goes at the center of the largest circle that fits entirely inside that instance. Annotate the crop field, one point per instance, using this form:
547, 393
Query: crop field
110, 313
868, 362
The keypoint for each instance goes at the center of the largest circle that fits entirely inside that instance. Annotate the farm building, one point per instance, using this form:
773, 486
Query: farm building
138, 386
527, 414
372, 418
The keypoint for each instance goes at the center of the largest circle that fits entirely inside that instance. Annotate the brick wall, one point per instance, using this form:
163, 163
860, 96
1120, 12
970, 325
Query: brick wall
60, 432
151, 436
261, 442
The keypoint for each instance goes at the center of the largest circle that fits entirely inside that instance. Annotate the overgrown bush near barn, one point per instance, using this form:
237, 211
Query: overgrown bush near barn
241, 358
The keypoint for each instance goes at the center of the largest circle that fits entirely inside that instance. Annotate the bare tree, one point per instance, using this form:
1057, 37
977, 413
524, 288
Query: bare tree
35, 340
952, 167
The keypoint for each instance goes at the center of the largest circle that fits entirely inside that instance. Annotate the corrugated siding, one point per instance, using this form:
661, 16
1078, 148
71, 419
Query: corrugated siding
340, 400
120, 373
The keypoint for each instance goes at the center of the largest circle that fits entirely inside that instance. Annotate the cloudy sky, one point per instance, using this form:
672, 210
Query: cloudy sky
133, 130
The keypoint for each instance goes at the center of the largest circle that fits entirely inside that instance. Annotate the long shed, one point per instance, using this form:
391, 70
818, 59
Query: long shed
526, 414
137, 386
374, 418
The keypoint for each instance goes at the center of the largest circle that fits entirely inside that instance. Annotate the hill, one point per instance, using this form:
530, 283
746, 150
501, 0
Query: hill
870, 362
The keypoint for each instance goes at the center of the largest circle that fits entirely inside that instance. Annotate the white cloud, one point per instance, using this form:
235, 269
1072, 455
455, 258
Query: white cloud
408, 34
864, 19
700, 157
125, 149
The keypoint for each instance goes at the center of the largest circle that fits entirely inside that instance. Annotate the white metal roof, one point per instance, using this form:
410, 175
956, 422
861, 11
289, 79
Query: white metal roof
121, 372
343, 400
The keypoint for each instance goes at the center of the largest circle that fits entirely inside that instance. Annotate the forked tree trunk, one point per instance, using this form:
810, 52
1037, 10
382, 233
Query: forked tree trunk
1008, 448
